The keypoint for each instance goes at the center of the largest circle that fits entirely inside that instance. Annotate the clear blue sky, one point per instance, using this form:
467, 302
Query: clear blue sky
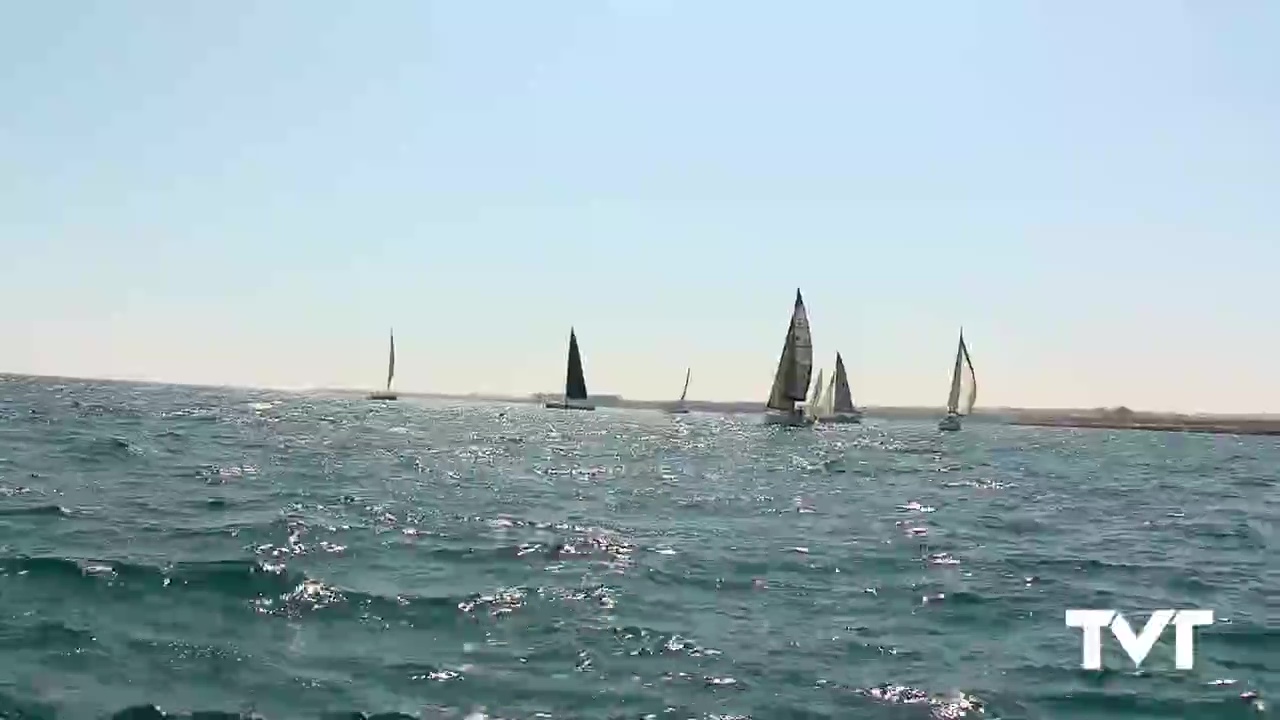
252, 192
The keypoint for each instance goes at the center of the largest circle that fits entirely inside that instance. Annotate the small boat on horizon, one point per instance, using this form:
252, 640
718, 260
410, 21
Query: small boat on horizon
575, 382
679, 408
791, 381
388, 394
962, 379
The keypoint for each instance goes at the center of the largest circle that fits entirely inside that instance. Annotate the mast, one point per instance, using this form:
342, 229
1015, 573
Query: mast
391, 360
953, 399
791, 381
843, 397
687, 374
575, 383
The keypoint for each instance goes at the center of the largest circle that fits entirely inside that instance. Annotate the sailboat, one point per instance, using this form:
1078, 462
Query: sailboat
814, 405
575, 383
791, 381
962, 379
679, 408
836, 405
387, 394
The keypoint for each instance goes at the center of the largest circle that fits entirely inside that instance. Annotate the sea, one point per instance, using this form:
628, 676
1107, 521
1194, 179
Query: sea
215, 553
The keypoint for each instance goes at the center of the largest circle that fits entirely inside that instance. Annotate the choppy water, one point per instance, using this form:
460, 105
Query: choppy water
234, 550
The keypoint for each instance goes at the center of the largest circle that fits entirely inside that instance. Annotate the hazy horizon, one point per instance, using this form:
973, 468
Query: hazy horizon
532, 395
253, 194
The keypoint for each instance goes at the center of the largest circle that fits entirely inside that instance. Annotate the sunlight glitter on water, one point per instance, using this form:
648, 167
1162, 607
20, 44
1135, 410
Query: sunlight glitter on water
320, 553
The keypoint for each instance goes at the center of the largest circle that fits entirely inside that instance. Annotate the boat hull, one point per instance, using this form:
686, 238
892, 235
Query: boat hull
569, 405
842, 419
382, 395
794, 419
678, 411
950, 423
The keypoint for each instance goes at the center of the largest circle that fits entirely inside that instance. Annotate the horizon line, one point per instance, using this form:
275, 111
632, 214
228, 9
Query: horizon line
534, 396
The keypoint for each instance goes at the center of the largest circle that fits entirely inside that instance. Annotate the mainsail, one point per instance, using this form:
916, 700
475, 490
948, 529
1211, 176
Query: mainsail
575, 383
391, 360
963, 381
791, 382
969, 381
687, 374
842, 400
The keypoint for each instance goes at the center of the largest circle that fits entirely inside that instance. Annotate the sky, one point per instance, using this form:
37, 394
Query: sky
253, 193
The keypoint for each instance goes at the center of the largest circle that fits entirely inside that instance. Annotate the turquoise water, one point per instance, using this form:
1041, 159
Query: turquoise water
305, 556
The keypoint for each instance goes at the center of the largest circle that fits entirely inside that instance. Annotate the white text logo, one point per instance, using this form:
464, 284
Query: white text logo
1138, 646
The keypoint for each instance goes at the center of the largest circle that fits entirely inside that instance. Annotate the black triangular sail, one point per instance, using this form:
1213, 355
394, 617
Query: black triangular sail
575, 383
791, 381
391, 361
843, 401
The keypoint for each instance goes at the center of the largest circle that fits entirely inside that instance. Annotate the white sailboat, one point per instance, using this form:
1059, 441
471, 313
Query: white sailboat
791, 381
679, 408
575, 383
964, 389
387, 394
814, 407
837, 405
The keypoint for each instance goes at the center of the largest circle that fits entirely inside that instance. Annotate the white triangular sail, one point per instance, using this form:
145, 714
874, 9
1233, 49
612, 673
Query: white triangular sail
815, 400
968, 381
791, 381
953, 397
964, 382
826, 401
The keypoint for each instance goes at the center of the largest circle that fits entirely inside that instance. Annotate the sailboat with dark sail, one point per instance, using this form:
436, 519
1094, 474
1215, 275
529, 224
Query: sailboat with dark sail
837, 405
679, 408
575, 383
388, 394
964, 389
791, 381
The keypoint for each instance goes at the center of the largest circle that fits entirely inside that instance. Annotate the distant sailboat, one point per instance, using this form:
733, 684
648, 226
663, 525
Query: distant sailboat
814, 406
391, 373
837, 405
575, 383
963, 381
679, 408
791, 381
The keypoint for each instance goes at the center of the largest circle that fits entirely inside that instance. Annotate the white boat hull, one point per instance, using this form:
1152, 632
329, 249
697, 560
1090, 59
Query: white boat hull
950, 423
569, 405
794, 419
